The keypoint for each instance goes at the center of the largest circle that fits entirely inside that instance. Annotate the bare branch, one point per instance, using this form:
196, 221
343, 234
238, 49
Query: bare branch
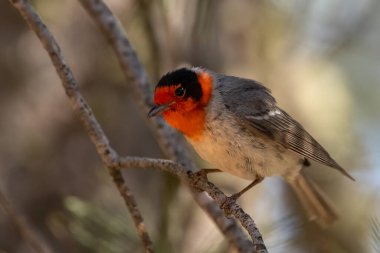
170, 142
27, 233
130, 201
199, 181
80, 106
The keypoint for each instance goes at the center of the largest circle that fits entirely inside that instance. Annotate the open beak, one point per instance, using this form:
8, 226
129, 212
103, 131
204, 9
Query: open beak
158, 109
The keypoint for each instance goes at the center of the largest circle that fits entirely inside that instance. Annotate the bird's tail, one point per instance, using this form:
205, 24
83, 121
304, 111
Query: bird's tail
317, 205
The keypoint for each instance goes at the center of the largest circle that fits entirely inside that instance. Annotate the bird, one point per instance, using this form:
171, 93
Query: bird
236, 125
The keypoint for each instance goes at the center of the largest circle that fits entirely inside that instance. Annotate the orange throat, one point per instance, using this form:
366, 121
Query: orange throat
191, 123
188, 116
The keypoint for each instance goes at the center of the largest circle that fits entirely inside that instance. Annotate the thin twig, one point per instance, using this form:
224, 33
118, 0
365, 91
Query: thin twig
130, 201
199, 181
171, 143
27, 233
80, 106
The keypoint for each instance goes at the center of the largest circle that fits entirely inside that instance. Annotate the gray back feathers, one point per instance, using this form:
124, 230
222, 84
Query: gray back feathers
256, 109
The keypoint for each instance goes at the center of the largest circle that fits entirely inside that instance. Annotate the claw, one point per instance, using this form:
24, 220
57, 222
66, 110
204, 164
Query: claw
227, 204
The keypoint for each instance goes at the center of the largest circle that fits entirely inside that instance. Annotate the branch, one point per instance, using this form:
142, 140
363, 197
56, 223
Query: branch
82, 109
26, 232
199, 181
171, 143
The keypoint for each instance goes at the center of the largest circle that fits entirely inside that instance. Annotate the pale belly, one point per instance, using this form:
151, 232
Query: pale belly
244, 155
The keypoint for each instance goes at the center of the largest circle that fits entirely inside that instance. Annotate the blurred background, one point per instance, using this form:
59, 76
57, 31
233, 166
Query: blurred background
321, 59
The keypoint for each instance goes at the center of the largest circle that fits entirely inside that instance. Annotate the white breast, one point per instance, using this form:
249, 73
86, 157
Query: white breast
230, 147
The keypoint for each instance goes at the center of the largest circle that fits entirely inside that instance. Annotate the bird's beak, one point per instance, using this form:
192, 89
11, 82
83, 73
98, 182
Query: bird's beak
158, 109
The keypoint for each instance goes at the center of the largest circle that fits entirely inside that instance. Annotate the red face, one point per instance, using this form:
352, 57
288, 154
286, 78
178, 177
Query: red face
174, 98
181, 97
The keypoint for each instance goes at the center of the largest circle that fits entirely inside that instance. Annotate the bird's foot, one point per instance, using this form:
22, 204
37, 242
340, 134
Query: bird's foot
200, 177
202, 173
229, 202
209, 171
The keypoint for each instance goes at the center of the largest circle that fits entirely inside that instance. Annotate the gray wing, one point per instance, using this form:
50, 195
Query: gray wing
255, 107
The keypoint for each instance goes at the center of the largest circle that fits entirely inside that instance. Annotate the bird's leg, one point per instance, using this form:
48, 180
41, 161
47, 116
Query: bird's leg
208, 171
232, 199
238, 195
205, 172
201, 175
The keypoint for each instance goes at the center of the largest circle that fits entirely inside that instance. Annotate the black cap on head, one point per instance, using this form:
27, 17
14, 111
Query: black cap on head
187, 78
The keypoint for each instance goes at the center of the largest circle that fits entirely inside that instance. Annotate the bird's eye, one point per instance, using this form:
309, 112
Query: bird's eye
180, 91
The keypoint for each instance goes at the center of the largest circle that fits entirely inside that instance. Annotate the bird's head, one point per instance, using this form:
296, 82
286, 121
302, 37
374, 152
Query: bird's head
181, 96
